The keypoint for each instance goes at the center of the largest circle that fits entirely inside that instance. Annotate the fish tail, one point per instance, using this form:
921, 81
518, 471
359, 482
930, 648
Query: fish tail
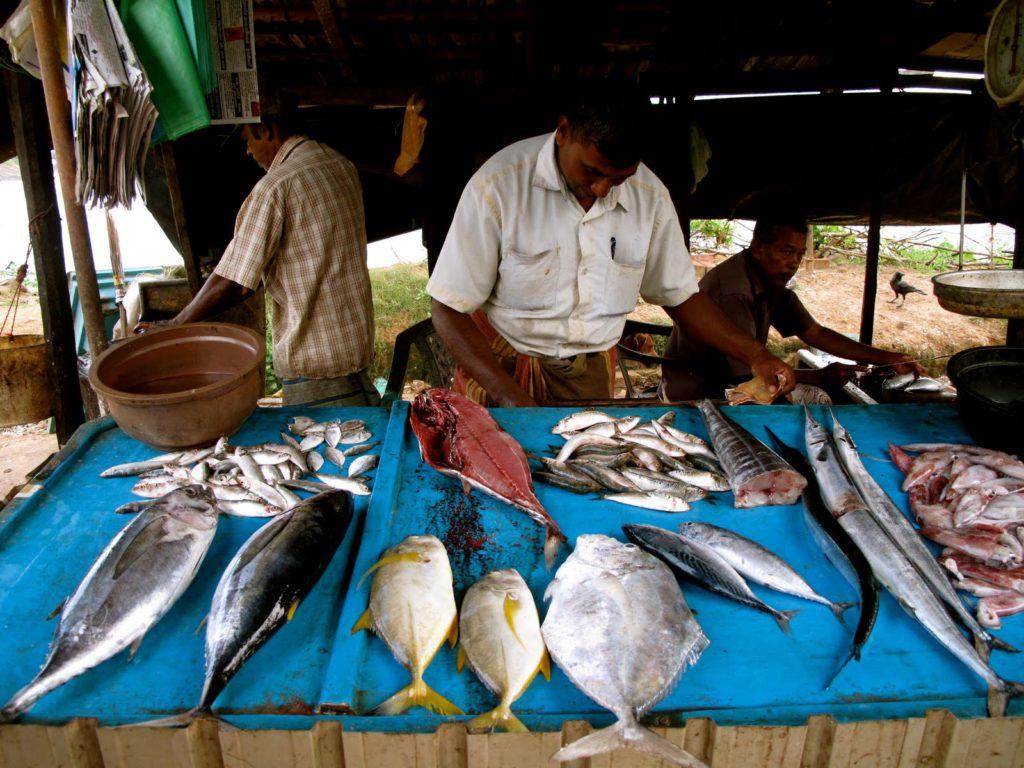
783, 617
1001, 645
417, 694
552, 542
853, 654
498, 719
838, 609
630, 735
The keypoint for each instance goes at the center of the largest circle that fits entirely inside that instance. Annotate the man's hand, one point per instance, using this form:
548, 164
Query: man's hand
904, 364
780, 377
149, 325
521, 400
834, 375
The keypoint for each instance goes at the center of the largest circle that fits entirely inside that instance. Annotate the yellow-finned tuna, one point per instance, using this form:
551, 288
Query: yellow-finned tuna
412, 609
500, 638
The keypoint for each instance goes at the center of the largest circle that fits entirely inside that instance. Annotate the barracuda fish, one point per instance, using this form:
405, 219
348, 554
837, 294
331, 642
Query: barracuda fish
904, 536
704, 565
459, 438
756, 562
758, 477
841, 550
134, 582
619, 628
261, 589
499, 636
891, 565
412, 609
663, 502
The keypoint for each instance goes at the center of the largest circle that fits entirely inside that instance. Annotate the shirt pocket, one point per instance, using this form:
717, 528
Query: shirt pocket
623, 276
527, 281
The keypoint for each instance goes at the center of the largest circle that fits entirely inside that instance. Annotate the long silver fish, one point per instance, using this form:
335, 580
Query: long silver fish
262, 587
902, 533
757, 475
133, 583
890, 564
757, 562
704, 565
619, 628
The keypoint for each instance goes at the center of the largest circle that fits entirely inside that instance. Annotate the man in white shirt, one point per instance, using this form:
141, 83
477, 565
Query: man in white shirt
553, 239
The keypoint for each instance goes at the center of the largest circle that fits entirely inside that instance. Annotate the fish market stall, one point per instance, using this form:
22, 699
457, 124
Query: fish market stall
756, 695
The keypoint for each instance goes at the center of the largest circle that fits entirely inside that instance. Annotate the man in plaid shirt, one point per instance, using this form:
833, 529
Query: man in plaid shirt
301, 232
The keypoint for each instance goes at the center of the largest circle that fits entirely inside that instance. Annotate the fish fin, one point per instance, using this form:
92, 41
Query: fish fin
849, 657
398, 557
1001, 645
365, 622
261, 540
783, 617
57, 611
201, 624
545, 665
417, 694
631, 735
453, 632
291, 610
460, 659
134, 648
838, 609
498, 719
150, 534
511, 608
552, 541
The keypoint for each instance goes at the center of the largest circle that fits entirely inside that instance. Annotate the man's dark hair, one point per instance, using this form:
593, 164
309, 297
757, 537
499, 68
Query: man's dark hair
613, 117
278, 108
766, 230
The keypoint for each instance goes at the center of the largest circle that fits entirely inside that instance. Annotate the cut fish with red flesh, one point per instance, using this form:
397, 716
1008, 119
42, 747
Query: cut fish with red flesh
980, 588
966, 567
973, 475
994, 548
992, 609
757, 475
925, 466
459, 438
900, 458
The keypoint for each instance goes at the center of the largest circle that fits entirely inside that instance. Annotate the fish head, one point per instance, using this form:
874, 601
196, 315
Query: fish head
194, 505
507, 581
607, 553
815, 434
426, 546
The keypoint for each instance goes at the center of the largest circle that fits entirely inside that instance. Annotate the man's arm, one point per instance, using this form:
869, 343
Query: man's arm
217, 295
473, 354
701, 319
836, 344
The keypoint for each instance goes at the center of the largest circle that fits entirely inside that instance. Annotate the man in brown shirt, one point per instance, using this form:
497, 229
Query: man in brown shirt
750, 288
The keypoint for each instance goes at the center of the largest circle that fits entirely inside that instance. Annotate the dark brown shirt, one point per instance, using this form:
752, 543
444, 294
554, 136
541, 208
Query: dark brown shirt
753, 305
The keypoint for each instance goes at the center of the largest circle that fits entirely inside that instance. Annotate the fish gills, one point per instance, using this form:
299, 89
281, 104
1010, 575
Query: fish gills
412, 609
499, 636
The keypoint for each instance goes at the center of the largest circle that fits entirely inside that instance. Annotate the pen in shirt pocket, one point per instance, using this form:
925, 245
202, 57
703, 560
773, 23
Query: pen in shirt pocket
613, 249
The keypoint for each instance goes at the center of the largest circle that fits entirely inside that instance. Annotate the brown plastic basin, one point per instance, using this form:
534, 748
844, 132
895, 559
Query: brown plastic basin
182, 387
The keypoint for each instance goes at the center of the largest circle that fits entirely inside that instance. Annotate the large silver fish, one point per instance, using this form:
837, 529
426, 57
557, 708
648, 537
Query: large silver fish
896, 525
499, 635
262, 587
619, 628
412, 609
133, 583
891, 566
757, 475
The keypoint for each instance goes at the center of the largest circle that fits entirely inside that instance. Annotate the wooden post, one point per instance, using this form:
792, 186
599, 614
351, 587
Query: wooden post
178, 211
25, 100
59, 113
867, 310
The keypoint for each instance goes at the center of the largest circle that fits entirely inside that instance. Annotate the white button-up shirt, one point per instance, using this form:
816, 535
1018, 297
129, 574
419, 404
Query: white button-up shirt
553, 279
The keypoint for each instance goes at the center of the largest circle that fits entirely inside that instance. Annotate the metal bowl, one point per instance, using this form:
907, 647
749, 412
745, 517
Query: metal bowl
183, 386
990, 395
982, 292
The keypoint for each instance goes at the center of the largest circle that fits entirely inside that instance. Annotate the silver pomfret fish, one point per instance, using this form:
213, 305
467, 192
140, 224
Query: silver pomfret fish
499, 635
619, 628
132, 584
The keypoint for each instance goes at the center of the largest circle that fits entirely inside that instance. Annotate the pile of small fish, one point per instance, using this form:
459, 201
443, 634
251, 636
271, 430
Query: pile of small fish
256, 480
899, 558
651, 464
971, 500
719, 559
903, 382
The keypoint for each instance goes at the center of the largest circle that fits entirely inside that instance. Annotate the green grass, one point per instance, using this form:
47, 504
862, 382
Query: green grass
400, 299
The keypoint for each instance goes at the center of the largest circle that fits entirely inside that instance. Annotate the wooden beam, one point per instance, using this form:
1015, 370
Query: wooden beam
328, 15
192, 271
59, 113
867, 310
28, 120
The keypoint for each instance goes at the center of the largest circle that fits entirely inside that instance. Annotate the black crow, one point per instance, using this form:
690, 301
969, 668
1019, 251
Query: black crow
901, 288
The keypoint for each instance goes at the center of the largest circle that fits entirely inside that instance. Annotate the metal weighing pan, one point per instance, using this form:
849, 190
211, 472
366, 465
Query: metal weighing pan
982, 292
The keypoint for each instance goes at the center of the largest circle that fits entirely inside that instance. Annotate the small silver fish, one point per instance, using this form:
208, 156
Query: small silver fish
355, 450
360, 435
663, 502
362, 465
333, 455
580, 420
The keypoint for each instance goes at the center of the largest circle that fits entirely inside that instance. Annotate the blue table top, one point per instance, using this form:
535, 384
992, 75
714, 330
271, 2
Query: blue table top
751, 673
